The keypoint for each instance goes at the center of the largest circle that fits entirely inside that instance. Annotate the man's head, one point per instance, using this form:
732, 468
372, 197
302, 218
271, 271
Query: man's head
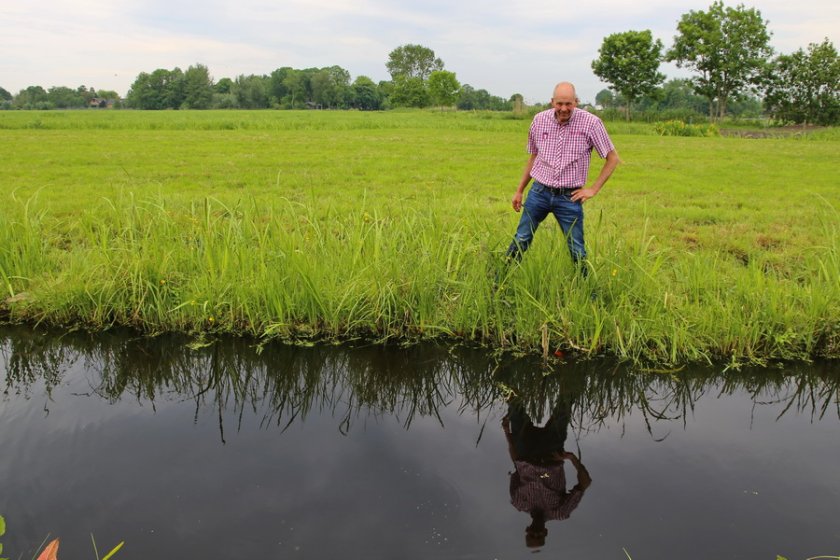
536, 532
564, 101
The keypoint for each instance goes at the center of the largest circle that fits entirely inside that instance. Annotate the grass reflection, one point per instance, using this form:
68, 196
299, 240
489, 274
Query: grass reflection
281, 385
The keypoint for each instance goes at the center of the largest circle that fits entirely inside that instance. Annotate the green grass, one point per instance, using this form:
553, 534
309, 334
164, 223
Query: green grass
339, 225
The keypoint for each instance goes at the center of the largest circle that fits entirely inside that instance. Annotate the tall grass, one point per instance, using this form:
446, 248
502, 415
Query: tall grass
284, 272
399, 234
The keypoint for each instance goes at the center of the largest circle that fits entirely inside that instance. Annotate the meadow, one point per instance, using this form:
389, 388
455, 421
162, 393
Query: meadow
313, 226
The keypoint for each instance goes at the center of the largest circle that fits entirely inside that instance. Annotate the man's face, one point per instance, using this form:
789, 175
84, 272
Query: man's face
563, 102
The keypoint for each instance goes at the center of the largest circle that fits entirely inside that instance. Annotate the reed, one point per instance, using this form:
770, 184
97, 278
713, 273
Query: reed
393, 227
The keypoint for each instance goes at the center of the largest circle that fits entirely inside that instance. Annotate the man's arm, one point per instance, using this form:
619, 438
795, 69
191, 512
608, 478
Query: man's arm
612, 161
526, 178
509, 438
584, 480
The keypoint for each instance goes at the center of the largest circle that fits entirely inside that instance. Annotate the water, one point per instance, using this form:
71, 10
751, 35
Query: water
231, 451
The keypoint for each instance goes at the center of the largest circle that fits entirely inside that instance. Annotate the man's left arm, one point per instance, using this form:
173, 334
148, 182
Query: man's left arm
612, 161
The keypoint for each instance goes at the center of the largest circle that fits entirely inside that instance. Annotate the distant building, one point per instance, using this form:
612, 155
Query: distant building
101, 103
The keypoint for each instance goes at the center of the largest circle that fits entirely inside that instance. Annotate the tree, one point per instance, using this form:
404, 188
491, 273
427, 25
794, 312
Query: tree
174, 91
412, 61
250, 92
802, 87
466, 98
108, 94
605, 99
33, 97
330, 86
471, 99
629, 61
223, 86
366, 95
385, 89
443, 88
162, 89
679, 94
276, 88
728, 47
65, 98
518, 103
198, 87
5, 95
296, 83
410, 92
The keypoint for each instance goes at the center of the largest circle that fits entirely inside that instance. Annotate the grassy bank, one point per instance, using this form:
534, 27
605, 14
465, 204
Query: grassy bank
337, 225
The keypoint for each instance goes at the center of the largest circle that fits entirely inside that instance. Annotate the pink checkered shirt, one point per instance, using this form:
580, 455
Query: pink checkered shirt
564, 150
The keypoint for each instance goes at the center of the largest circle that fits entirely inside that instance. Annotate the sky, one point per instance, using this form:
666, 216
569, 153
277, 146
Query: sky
501, 46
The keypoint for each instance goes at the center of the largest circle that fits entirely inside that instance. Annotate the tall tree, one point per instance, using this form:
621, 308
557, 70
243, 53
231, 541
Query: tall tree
276, 88
802, 87
728, 47
174, 91
629, 61
5, 95
198, 87
330, 86
412, 61
443, 88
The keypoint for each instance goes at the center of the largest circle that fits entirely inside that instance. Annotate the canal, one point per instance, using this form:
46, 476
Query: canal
234, 450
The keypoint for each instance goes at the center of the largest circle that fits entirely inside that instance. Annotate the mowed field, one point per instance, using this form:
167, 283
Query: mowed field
392, 226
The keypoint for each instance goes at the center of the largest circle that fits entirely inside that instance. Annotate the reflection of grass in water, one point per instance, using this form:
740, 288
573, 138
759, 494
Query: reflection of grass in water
283, 385
391, 227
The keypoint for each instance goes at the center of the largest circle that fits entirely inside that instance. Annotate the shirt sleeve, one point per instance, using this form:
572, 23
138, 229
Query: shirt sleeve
532, 139
600, 139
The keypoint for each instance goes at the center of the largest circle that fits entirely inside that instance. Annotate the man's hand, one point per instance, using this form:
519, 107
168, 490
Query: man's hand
582, 195
517, 201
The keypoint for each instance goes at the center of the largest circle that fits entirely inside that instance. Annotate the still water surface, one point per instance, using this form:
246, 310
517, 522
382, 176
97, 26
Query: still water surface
231, 451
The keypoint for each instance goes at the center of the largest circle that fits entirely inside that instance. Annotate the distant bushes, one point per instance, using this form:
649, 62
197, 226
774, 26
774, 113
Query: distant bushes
680, 128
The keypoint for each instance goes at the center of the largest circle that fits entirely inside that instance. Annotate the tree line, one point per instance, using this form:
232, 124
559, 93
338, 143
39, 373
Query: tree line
418, 79
728, 50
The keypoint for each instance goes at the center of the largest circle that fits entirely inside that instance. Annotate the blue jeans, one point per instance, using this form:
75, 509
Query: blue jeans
540, 202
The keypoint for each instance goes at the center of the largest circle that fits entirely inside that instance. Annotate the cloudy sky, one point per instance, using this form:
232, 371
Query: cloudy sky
502, 46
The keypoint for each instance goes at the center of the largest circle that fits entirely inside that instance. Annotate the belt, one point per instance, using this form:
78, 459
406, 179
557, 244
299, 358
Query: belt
561, 190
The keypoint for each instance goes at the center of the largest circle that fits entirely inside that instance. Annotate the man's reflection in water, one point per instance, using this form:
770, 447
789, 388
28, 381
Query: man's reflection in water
538, 485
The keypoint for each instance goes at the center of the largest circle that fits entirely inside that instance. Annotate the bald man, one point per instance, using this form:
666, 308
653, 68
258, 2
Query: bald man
560, 144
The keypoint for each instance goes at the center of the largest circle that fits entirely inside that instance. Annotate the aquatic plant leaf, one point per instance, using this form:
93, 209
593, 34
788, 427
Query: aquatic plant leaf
2, 527
51, 552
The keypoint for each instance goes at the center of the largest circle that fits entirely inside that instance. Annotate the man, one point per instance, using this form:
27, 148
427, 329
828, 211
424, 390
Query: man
560, 145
